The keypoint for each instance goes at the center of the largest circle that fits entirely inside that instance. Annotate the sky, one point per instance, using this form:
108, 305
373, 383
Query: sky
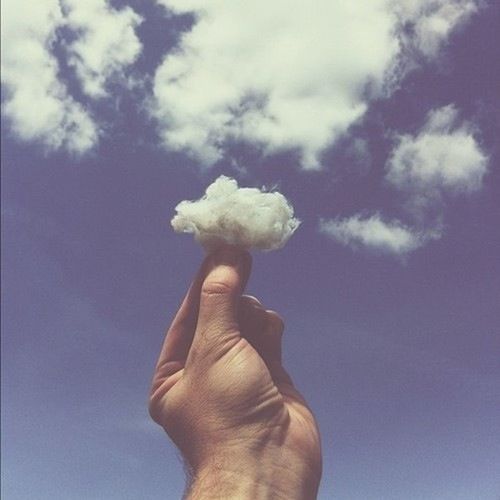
378, 120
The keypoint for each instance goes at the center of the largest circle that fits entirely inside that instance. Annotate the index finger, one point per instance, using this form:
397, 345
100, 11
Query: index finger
179, 336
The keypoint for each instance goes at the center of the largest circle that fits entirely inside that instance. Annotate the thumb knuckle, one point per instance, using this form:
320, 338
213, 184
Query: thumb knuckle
216, 288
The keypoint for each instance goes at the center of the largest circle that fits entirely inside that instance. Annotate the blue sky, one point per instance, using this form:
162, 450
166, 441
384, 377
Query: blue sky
111, 117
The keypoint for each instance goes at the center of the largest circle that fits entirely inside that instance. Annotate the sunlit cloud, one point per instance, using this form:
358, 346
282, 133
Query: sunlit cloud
280, 76
287, 75
38, 103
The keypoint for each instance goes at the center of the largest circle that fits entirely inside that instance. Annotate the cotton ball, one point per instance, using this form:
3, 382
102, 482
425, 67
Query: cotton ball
228, 214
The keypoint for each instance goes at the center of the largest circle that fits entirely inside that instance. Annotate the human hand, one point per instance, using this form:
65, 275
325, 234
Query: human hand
222, 395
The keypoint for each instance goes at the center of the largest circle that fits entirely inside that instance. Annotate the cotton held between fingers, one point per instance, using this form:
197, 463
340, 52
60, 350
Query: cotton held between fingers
245, 217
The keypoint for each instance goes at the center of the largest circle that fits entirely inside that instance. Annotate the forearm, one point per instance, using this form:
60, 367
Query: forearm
252, 478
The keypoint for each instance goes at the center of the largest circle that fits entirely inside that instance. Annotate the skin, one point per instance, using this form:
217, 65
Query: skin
222, 395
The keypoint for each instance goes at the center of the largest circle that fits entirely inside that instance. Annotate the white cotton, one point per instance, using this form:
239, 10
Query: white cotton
246, 217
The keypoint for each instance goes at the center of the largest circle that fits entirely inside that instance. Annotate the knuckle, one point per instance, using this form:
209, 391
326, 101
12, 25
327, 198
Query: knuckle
216, 288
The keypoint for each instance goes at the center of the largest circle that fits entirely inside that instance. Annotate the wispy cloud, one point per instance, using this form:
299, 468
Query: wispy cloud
106, 42
429, 23
443, 157
373, 232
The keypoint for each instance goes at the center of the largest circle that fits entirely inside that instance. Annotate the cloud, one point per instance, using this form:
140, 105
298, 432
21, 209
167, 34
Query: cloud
443, 157
282, 75
106, 42
429, 23
374, 233
38, 103
247, 217
286, 75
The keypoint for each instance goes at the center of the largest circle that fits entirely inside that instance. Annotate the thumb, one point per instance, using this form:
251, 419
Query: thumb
220, 294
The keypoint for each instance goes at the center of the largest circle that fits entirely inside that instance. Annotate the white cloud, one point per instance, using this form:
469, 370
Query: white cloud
443, 156
429, 23
37, 104
286, 74
373, 232
247, 217
106, 42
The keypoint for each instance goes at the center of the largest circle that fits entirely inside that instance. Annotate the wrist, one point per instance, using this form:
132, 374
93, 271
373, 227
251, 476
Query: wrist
274, 476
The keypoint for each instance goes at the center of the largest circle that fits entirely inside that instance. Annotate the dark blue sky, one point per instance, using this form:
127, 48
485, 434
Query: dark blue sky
398, 357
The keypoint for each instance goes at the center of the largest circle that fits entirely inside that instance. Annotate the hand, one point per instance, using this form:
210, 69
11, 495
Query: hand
222, 395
